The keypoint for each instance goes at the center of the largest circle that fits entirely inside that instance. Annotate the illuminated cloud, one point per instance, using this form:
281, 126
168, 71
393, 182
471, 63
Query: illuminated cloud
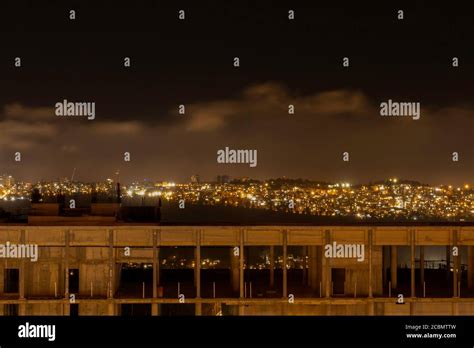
307, 144
28, 114
270, 100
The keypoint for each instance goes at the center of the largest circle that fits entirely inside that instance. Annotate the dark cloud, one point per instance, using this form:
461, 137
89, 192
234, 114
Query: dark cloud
307, 144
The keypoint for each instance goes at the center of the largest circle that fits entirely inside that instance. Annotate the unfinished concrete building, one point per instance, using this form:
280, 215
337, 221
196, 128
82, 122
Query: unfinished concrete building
82, 265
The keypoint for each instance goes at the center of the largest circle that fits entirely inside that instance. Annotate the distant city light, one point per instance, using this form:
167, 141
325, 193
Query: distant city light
370, 201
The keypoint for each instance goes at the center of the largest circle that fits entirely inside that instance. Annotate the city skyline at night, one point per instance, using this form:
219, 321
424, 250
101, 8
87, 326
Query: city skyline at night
392, 199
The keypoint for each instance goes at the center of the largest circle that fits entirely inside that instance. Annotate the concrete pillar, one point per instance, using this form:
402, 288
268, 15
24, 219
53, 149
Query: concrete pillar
241, 310
22, 308
305, 266
318, 269
272, 266
110, 308
198, 309
312, 271
315, 267
110, 281
197, 268
327, 267
155, 307
412, 264
285, 261
455, 264
448, 261
470, 267
370, 235
67, 307
156, 263
422, 265
22, 270
234, 269
22, 279
393, 266
241, 271
241, 253
384, 268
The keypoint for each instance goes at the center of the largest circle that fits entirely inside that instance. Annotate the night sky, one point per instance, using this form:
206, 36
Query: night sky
282, 62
